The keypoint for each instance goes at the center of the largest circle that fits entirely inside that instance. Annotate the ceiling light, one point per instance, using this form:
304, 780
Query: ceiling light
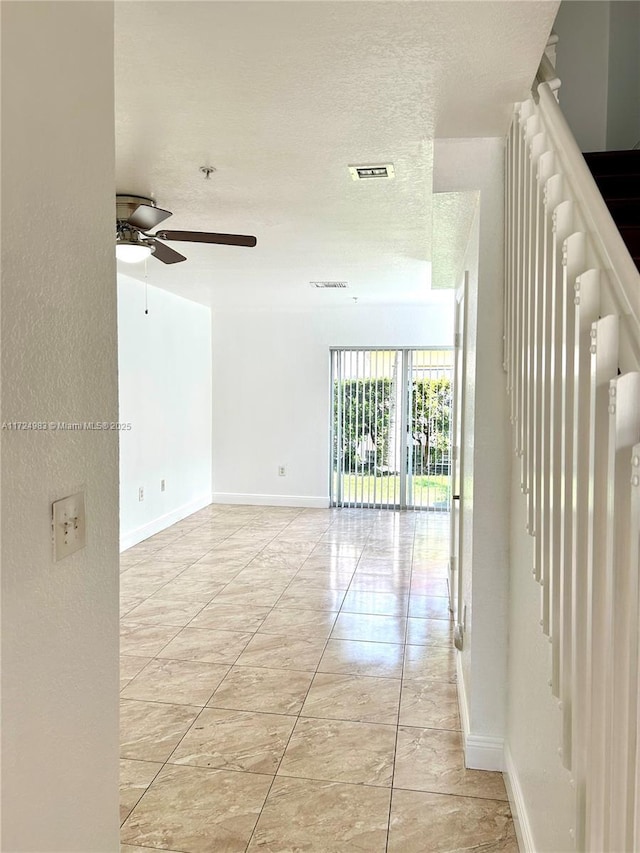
132, 252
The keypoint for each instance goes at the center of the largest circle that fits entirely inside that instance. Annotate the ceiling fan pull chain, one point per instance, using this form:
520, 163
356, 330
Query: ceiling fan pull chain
146, 288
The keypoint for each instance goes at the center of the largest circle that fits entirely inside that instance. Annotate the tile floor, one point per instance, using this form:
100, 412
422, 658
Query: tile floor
288, 684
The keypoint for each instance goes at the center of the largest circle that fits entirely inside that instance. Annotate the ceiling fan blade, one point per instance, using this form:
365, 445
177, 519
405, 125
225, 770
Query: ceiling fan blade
207, 237
146, 217
166, 254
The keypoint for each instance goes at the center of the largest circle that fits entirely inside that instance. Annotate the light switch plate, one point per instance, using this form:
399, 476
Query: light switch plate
69, 533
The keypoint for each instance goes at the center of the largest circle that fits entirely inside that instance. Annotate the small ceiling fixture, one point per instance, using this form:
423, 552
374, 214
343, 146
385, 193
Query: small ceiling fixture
208, 171
379, 170
329, 284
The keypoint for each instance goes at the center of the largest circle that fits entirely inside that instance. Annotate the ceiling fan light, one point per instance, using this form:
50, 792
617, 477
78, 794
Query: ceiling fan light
132, 253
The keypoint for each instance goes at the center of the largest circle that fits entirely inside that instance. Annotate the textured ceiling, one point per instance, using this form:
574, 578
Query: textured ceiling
280, 97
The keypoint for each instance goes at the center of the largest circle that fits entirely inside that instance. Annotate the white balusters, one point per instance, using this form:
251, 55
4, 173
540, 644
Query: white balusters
546, 168
624, 433
574, 262
572, 355
532, 151
538, 149
604, 366
553, 195
587, 309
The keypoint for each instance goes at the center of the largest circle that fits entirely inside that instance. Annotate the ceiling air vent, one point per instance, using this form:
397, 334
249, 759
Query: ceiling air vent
329, 284
364, 173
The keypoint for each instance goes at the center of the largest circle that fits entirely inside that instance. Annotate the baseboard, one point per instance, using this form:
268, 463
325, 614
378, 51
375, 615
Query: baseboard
463, 706
132, 537
518, 805
481, 752
303, 501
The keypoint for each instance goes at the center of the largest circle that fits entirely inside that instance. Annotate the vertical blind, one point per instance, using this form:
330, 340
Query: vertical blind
391, 428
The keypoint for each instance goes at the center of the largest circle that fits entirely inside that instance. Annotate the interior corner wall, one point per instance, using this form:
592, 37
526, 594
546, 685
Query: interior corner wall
623, 95
59, 364
597, 60
165, 397
464, 164
582, 63
271, 381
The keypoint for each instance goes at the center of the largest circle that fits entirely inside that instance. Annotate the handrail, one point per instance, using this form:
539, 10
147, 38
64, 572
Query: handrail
625, 279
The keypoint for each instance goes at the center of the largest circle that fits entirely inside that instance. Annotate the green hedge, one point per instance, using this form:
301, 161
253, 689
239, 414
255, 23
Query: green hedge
371, 401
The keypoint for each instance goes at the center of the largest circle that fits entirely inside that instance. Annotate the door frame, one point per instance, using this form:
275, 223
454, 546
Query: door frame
457, 453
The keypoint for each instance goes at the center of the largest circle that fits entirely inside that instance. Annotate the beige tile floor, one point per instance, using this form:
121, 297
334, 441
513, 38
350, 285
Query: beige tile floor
288, 684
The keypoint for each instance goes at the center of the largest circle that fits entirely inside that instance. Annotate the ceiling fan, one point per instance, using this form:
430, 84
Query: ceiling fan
136, 215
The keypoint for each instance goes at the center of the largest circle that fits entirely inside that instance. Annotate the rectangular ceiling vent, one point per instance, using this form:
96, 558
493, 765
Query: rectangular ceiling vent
364, 173
328, 284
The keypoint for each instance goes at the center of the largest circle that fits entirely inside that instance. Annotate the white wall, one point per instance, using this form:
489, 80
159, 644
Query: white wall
582, 63
623, 96
465, 164
165, 394
271, 380
541, 786
598, 64
59, 620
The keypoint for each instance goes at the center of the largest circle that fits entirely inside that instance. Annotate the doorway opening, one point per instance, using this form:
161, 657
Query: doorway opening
391, 428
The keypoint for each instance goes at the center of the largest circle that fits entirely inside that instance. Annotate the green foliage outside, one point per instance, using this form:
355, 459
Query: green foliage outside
431, 424
365, 407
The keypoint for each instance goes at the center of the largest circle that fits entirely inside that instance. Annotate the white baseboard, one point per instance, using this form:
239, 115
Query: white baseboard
462, 696
132, 537
481, 752
270, 500
518, 805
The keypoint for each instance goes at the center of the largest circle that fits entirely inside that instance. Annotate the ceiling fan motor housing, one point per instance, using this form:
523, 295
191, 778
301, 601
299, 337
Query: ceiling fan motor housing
127, 204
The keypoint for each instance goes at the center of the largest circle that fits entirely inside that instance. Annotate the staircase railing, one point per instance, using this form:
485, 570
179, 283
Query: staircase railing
572, 355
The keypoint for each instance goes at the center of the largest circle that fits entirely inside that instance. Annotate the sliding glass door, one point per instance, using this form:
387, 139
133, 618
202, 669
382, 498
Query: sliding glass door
391, 442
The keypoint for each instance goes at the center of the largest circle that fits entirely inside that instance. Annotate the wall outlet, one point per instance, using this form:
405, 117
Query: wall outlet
141, 493
68, 522
163, 485
281, 471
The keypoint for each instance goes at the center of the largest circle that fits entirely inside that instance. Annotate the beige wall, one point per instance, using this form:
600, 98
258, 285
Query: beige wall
58, 359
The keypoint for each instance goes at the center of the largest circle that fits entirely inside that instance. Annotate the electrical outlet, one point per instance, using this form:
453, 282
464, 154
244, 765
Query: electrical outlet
68, 522
141, 493
163, 485
281, 471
